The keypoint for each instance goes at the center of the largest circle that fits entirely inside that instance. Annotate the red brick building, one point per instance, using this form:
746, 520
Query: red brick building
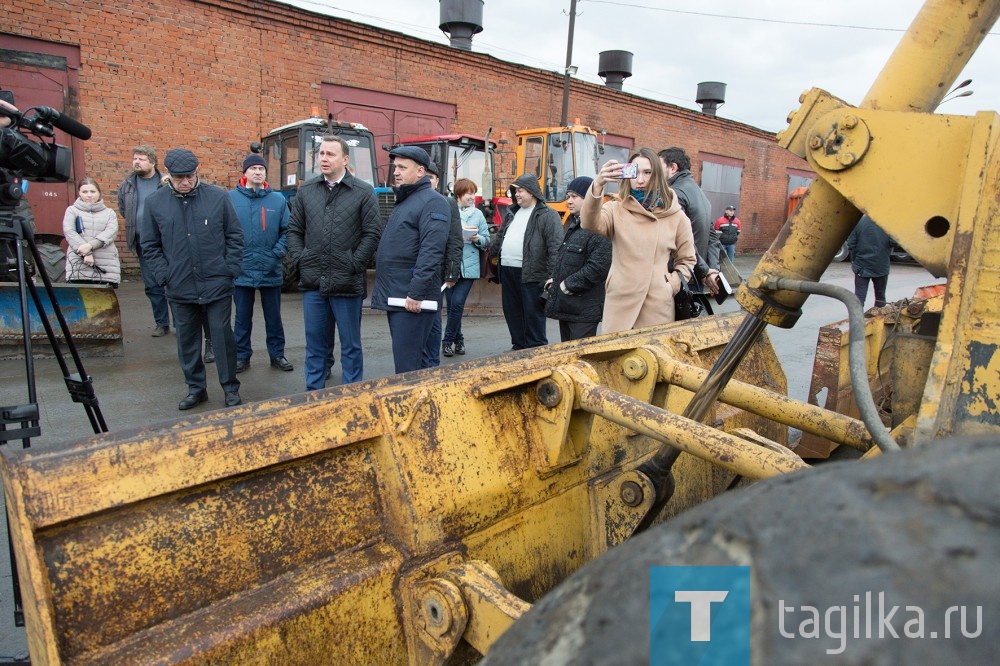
213, 75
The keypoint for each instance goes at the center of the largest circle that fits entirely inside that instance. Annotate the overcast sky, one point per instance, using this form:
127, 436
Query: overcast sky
766, 52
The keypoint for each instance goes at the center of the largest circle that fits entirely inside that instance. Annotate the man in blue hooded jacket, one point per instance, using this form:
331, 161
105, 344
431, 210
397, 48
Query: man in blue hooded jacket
264, 216
410, 257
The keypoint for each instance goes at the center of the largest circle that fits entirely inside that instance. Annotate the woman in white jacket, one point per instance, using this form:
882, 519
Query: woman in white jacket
90, 229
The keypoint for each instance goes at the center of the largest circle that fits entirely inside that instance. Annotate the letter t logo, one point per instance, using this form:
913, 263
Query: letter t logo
701, 610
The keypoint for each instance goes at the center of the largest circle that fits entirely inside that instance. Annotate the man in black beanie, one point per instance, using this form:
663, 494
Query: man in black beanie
576, 288
264, 216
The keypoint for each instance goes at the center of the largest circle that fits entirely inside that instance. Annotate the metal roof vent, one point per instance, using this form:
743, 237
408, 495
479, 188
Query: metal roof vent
461, 19
614, 67
711, 95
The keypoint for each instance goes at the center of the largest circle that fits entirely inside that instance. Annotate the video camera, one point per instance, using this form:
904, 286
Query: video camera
40, 161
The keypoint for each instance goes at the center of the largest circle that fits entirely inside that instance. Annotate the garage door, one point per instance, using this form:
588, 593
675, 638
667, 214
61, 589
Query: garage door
40, 74
391, 118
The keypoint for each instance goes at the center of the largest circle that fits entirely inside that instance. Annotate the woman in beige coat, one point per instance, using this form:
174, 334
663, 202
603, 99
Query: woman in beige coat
647, 228
90, 229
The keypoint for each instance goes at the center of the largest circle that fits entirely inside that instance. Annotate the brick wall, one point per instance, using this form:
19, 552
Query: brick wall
214, 75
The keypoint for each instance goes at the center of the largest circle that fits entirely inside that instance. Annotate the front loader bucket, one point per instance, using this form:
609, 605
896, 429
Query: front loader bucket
401, 520
91, 311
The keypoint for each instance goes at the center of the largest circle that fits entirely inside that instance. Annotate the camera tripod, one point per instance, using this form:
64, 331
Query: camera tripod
22, 421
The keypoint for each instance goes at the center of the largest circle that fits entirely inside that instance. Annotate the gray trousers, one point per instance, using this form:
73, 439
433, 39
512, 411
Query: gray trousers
189, 319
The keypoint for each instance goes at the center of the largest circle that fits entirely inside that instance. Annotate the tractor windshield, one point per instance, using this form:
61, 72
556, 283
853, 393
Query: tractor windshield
465, 162
570, 154
586, 154
361, 151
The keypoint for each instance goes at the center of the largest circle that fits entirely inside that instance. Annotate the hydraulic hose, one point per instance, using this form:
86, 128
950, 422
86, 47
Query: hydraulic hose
856, 350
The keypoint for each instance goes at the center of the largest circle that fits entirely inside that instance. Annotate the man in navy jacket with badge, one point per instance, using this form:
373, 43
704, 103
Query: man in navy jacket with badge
409, 261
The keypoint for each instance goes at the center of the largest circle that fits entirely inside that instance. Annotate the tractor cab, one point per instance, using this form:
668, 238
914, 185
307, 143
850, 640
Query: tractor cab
557, 155
465, 156
292, 152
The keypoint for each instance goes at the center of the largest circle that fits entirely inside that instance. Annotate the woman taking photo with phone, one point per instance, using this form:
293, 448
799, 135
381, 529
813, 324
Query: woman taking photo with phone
90, 229
647, 229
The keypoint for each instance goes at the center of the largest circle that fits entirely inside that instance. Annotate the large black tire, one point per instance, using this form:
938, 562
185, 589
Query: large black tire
53, 261
920, 526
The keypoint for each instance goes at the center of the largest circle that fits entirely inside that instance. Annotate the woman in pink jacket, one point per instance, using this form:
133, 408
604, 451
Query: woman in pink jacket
647, 229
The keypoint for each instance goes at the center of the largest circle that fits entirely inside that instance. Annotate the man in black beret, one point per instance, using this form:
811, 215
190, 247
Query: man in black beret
193, 243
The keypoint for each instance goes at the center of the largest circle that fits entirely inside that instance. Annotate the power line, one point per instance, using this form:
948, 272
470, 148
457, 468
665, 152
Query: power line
752, 18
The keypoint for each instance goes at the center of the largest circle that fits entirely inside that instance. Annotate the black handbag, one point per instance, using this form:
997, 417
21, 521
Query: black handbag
685, 305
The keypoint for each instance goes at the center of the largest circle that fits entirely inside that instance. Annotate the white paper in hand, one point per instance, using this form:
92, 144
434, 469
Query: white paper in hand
424, 305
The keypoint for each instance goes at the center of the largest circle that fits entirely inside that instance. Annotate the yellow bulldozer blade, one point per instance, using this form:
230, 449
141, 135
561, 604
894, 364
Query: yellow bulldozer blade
91, 311
409, 519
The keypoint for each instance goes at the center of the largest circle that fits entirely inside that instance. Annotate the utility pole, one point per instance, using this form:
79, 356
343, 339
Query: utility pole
569, 64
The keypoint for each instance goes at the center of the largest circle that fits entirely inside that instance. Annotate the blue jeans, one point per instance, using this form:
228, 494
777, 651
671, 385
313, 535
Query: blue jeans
731, 251
319, 313
457, 296
270, 303
522, 309
154, 292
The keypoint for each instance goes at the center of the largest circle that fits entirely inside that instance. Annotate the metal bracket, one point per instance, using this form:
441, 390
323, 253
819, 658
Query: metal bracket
449, 600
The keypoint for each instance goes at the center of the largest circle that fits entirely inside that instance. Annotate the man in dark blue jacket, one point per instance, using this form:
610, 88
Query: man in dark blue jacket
409, 264
264, 216
870, 248
193, 243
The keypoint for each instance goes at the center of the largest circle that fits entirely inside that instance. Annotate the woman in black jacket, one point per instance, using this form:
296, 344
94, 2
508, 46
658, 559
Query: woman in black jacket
576, 288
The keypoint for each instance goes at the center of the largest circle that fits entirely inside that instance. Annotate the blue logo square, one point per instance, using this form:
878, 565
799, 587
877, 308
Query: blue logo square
699, 615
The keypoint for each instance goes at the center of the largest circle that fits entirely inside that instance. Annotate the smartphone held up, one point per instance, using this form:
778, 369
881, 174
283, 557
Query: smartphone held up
630, 170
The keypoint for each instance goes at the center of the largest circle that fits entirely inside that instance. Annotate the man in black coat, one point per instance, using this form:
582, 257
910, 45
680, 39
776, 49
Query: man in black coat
870, 248
193, 244
526, 244
333, 232
677, 166
132, 193
576, 288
